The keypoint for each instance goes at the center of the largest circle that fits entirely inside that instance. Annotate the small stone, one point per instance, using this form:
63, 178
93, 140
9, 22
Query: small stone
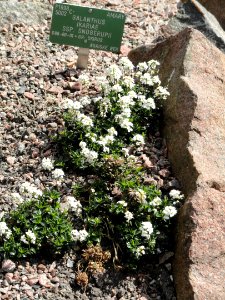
32, 281
43, 280
55, 90
165, 257
9, 277
70, 263
41, 267
29, 95
124, 50
8, 265
10, 160
52, 267
75, 86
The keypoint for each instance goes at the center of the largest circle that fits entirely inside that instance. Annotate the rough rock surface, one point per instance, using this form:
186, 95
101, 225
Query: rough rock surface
25, 12
194, 70
216, 7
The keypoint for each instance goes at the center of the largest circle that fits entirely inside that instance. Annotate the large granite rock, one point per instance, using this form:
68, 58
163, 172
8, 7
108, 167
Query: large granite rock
217, 8
194, 117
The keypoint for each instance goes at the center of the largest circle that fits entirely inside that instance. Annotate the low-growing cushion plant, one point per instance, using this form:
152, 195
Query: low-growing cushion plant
103, 141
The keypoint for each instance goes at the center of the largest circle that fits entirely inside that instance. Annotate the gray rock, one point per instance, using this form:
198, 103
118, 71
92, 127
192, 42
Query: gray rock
29, 13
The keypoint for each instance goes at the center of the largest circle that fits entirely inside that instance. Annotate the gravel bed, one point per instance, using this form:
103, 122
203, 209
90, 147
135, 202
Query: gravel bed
35, 76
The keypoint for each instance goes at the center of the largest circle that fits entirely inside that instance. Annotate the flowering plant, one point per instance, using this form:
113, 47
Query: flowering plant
36, 224
115, 119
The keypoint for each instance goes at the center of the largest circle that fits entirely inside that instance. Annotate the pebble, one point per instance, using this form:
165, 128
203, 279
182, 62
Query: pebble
8, 265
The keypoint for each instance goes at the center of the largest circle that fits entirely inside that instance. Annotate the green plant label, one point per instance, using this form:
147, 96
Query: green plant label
87, 27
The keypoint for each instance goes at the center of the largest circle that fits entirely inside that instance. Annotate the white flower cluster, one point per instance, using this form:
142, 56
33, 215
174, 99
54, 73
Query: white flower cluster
28, 237
79, 235
156, 201
70, 104
29, 190
146, 229
140, 251
169, 212
5, 231
175, 194
73, 205
47, 164
85, 101
114, 73
126, 64
89, 155
128, 216
58, 174
86, 121
140, 195
107, 139
122, 203
84, 79
161, 92
138, 139
148, 103
17, 199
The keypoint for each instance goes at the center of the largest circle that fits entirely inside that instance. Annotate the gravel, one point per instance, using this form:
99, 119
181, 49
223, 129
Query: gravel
35, 76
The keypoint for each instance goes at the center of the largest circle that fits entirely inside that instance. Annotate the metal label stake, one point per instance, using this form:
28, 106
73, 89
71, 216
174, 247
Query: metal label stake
82, 60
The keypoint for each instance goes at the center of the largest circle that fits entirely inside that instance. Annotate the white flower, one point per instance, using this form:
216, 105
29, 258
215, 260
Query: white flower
122, 202
156, 201
47, 164
74, 205
96, 99
125, 151
128, 215
68, 104
58, 174
141, 196
126, 64
142, 66
79, 235
17, 199
140, 251
146, 103
161, 92
146, 229
153, 63
146, 79
132, 94
126, 101
138, 139
83, 235
29, 190
31, 236
114, 73
128, 82
4, 230
85, 101
85, 120
23, 239
126, 124
175, 194
90, 155
84, 79
117, 88
82, 144
169, 212
112, 131
156, 79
